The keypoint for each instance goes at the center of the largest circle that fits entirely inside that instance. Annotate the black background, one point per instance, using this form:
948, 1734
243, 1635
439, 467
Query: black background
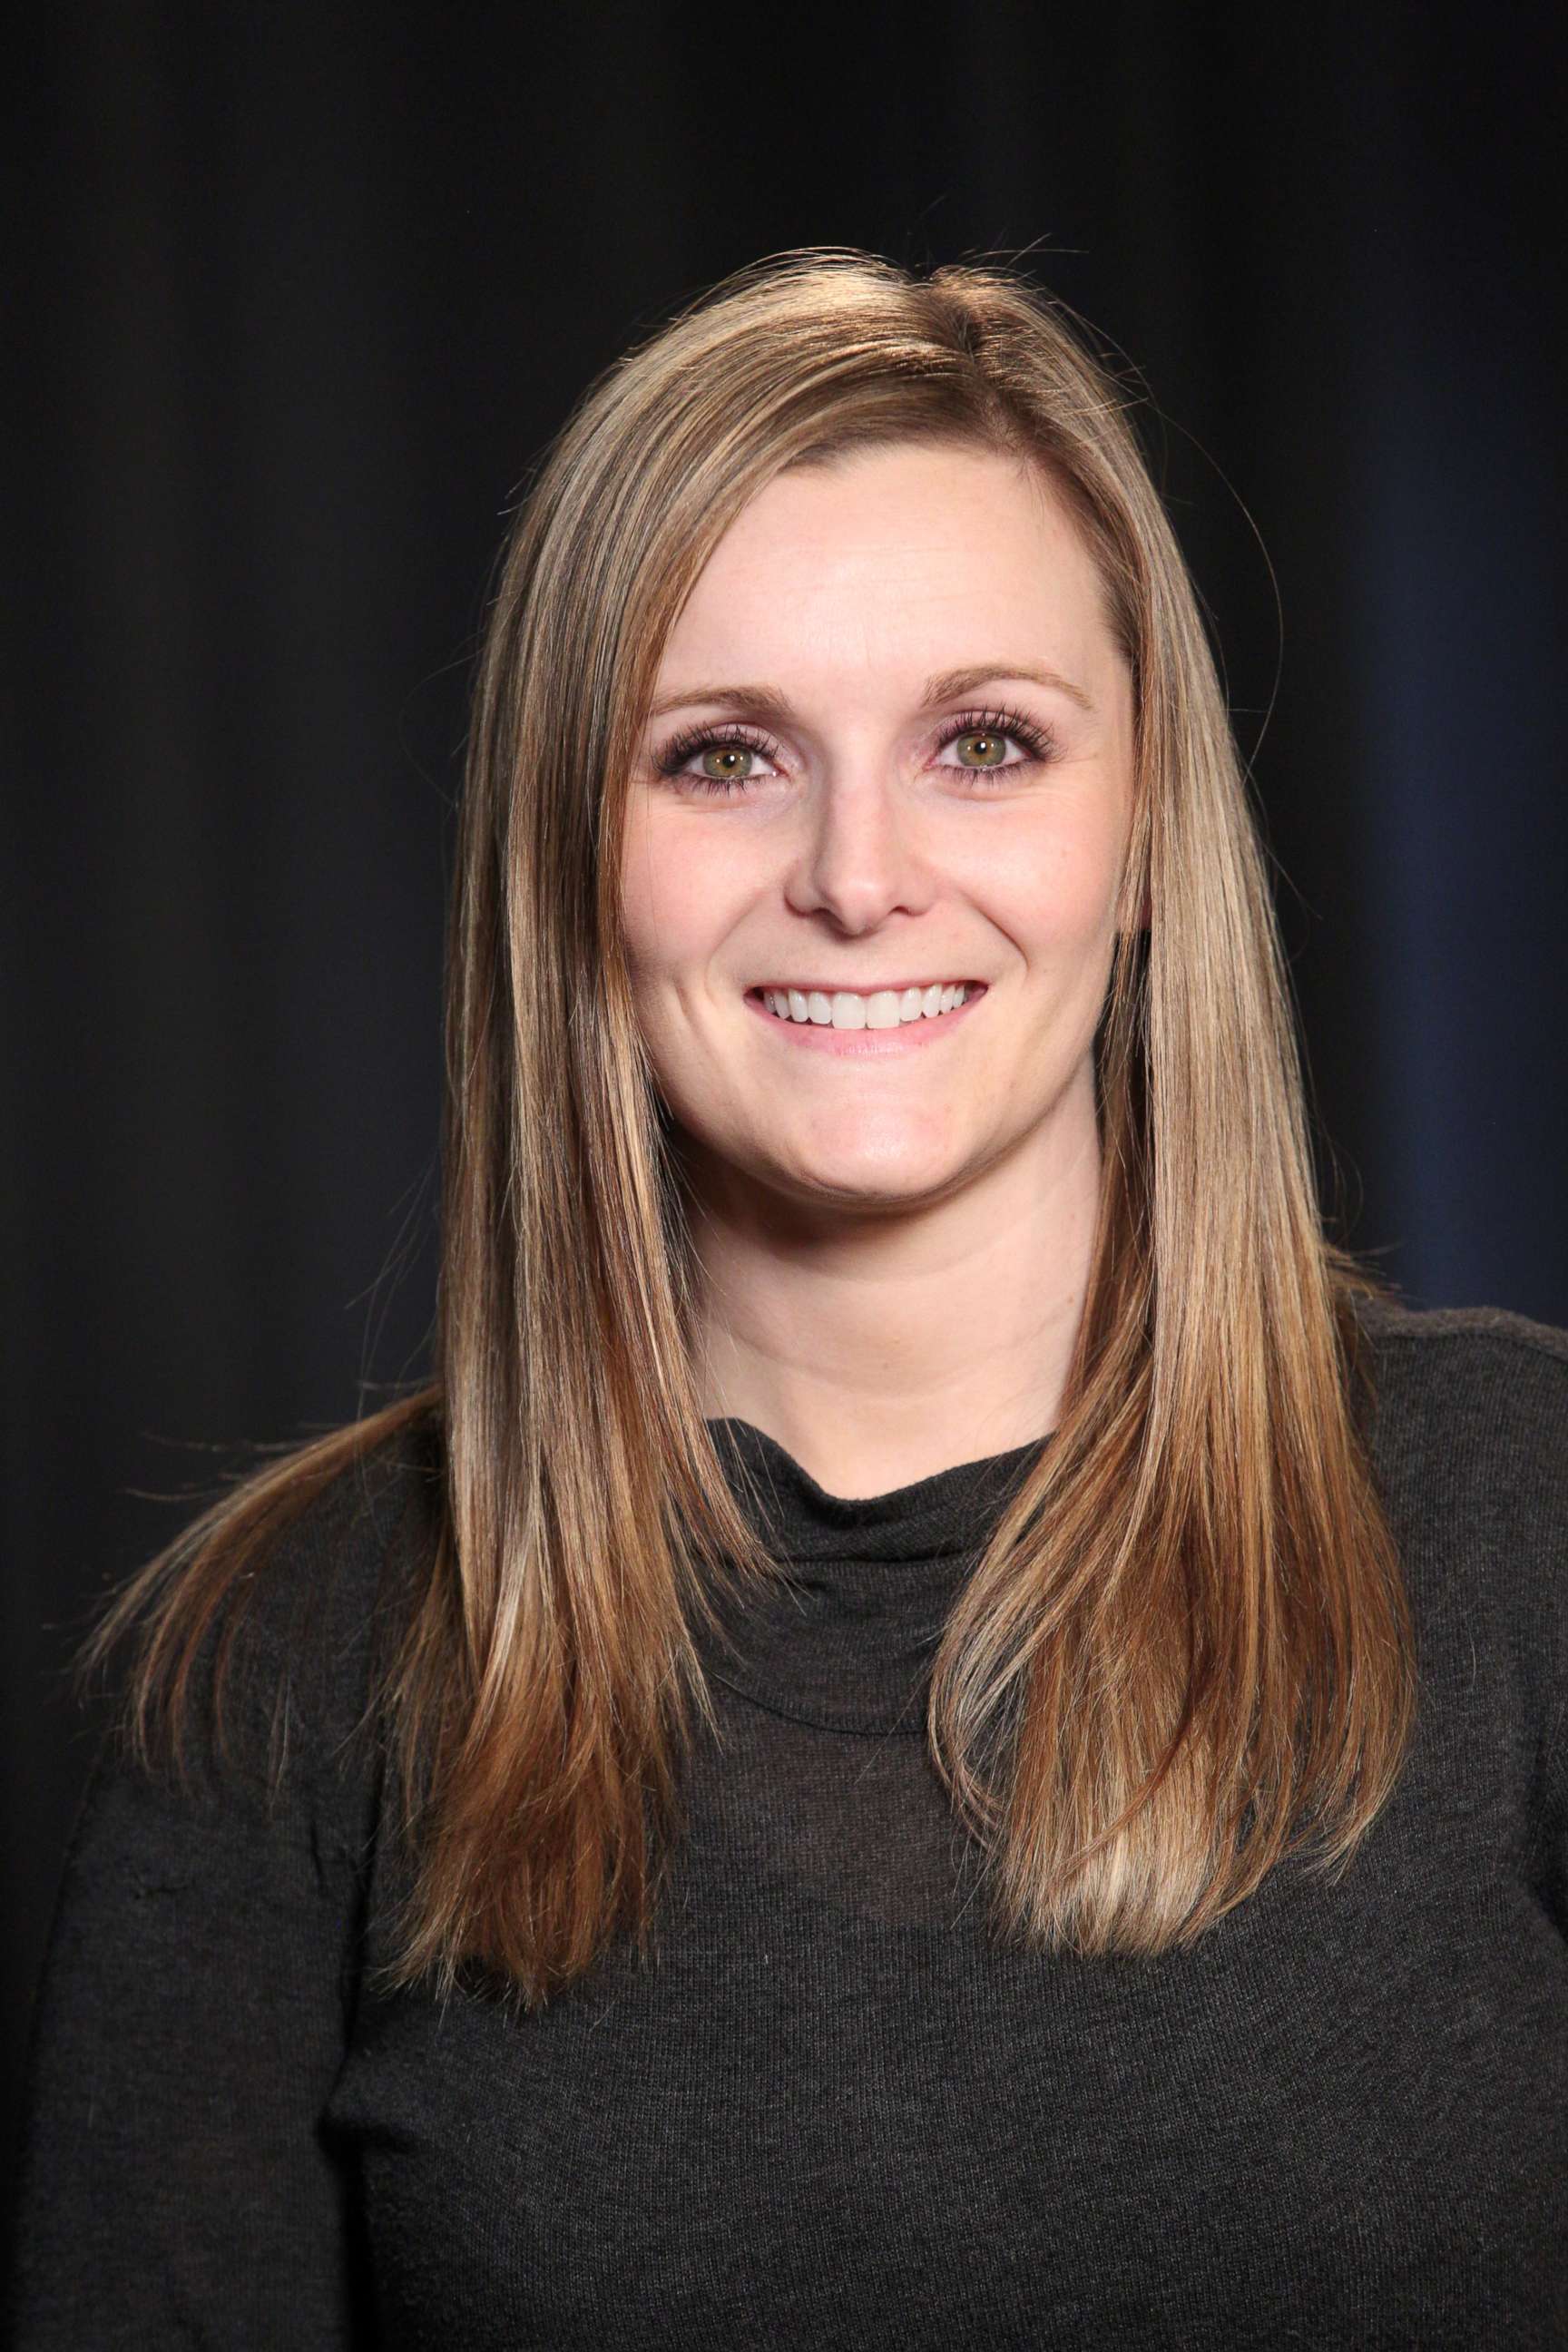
297, 294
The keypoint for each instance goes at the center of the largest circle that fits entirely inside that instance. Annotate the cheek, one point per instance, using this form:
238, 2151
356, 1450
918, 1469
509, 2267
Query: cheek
640, 890
678, 899
655, 898
1056, 895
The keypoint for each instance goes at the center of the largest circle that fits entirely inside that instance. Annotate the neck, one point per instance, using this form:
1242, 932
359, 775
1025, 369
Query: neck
880, 1348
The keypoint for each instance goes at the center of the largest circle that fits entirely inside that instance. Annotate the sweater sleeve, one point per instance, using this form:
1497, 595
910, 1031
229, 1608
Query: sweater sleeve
176, 2187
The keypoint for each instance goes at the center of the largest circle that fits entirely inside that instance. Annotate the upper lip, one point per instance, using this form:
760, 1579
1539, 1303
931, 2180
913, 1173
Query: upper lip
876, 988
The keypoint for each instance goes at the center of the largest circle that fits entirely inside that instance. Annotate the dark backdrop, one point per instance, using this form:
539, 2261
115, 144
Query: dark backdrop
297, 295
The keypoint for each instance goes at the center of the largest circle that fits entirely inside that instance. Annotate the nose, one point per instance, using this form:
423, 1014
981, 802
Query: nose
858, 858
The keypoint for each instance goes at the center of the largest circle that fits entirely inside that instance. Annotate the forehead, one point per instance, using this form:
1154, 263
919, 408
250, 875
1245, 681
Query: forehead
892, 557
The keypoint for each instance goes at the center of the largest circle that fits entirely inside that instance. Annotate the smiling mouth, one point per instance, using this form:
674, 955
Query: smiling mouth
850, 1009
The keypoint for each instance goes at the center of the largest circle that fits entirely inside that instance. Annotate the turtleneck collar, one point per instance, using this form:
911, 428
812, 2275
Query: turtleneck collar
846, 1641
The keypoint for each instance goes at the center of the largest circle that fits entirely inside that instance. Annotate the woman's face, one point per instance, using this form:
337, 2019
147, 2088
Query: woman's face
863, 819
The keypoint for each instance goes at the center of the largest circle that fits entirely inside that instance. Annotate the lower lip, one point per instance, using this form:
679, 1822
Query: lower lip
856, 1044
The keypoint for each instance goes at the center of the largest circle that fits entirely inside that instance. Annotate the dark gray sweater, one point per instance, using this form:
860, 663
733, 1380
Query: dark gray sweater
832, 2114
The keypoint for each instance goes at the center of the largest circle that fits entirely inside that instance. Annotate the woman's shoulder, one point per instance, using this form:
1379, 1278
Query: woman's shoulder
1470, 1445
382, 1499
1391, 1322
1471, 1401
343, 1570
279, 1617
340, 1537
1480, 1384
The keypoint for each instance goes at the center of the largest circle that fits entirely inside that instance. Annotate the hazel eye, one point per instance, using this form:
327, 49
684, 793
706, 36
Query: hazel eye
725, 757
728, 747
990, 742
991, 732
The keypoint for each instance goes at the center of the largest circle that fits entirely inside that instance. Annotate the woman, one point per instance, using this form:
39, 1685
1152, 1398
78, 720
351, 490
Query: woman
943, 1726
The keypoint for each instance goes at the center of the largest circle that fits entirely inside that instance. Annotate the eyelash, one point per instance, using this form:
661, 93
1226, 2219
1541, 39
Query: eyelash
1037, 741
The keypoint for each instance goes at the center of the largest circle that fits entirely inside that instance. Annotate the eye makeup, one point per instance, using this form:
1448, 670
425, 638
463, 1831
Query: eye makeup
1037, 743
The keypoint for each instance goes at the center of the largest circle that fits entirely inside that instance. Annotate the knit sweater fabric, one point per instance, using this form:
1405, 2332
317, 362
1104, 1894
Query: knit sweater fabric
834, 2111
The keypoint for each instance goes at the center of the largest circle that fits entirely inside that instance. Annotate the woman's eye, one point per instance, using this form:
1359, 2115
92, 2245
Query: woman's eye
989, 746
728, 764
713, 763
985, 745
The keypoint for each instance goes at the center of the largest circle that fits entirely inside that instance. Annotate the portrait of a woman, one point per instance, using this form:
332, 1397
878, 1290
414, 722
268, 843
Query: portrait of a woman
946, 1725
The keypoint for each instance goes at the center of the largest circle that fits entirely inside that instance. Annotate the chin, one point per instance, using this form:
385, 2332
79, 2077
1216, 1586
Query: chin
870, 1188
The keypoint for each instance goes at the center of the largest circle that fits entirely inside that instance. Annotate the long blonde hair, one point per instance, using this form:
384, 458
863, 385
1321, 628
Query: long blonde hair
1187, 1650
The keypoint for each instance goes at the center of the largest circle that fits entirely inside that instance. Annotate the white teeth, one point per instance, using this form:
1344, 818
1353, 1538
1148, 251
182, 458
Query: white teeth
886, 1009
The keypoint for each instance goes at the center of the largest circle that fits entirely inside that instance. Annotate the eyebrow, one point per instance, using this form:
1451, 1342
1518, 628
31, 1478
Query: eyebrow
947, 686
